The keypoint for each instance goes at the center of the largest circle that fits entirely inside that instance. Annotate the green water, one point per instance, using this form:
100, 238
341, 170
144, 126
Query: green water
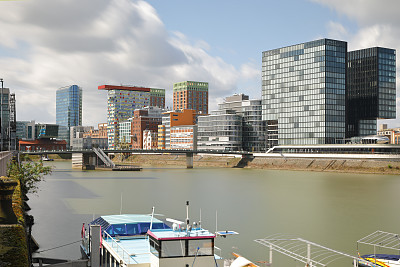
332, 209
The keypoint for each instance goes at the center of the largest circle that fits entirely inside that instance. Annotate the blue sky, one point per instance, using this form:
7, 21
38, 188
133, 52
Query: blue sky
47, 44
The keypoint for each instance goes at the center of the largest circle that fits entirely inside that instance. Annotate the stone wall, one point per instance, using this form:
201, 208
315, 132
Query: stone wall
335, 165
13, 243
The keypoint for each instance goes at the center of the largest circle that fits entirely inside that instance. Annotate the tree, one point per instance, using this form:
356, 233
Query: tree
29, 174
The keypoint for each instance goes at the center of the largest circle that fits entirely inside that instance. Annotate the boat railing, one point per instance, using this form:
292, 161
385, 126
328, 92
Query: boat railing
126, 256
219, 253
85, 243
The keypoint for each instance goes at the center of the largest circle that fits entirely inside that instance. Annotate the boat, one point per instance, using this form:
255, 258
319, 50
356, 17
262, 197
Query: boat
44, 158
382, 241
142, 240
384, 260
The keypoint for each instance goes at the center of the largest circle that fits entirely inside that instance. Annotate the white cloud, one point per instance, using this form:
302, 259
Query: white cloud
366, 12
47, 44
379, 25
338, 31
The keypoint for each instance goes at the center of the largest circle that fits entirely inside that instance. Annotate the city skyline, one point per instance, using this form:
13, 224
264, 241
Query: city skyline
49, 44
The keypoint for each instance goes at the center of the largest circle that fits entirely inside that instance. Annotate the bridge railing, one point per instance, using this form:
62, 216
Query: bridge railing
5, 158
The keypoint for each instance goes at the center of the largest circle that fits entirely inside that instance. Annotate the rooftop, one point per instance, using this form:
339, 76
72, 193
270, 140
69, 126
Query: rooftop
170, 234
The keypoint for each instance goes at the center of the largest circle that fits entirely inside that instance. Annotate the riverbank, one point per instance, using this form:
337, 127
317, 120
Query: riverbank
328, 165
173, 160
321, 165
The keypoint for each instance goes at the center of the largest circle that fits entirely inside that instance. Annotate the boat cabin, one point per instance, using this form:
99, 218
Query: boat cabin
176, 247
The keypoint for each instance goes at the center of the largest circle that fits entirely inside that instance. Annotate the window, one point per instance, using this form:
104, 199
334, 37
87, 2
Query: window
173, 248
201, 247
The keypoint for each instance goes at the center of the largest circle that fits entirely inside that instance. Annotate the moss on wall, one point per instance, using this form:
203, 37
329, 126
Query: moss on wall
13, 249
13, 243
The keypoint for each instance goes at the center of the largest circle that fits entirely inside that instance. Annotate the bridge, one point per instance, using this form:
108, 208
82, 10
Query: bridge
88, 158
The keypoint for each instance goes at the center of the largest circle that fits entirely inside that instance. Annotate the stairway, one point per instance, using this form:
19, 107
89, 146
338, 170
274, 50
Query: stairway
103, 156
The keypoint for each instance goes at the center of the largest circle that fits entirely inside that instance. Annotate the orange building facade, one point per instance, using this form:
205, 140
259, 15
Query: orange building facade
172, 119
191, 95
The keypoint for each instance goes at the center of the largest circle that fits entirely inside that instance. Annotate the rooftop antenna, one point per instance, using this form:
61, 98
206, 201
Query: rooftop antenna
200, 220
216, 220
152, 216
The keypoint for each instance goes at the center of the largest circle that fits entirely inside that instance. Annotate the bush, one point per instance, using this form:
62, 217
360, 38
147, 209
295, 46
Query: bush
29, 174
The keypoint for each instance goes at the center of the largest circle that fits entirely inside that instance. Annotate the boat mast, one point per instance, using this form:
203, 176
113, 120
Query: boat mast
187, 215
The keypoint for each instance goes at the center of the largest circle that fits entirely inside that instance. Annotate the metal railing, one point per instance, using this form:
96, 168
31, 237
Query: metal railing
126, 256
100, 153
219, 250
5, 158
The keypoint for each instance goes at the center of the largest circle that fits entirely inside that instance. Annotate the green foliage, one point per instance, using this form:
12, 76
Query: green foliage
29, 174
13, 247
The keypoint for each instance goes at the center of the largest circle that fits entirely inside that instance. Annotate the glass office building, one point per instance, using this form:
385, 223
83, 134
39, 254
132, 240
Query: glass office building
303, 92
371, 89
222, 130
68, 110
253, 127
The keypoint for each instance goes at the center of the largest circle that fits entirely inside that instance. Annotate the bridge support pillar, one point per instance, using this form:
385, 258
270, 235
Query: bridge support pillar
189, 160
84, 161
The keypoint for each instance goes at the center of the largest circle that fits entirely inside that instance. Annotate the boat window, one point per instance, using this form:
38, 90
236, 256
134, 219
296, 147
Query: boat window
119, 229
158, 226
144, 227
154, 247
132, 229
201, 247
173, 248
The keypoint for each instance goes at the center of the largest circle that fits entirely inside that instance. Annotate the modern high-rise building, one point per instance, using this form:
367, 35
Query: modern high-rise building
26, 130
157, 97
303, 92
253, 127
371, 89
7, 119
68, 110
236, 125
191, 95
221, 130
122, 102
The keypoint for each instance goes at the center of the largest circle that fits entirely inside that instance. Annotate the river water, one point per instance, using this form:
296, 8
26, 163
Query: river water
331, 209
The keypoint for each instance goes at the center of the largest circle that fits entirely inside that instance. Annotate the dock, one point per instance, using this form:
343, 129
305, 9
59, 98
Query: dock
126, 168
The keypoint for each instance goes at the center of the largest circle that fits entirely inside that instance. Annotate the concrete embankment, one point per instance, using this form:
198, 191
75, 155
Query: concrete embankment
331, 165
173, 161
306, 164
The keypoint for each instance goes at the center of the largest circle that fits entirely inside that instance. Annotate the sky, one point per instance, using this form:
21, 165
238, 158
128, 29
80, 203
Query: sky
48, 44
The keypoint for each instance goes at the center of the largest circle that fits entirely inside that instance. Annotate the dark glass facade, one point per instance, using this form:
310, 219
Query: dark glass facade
371, 89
